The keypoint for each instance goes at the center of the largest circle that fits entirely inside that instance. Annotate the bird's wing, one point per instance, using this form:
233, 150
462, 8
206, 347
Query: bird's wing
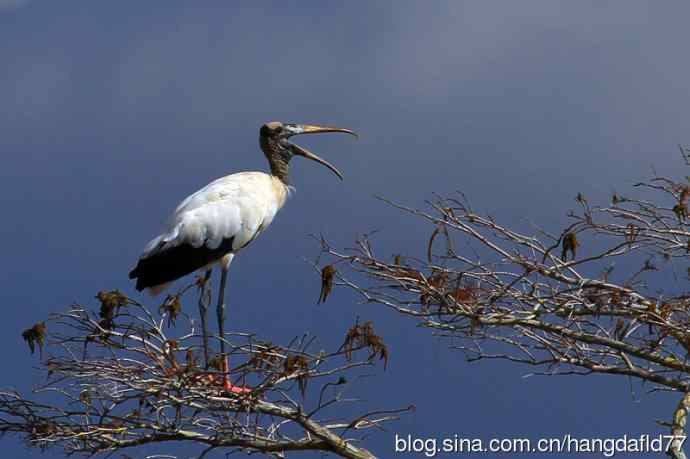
235, 207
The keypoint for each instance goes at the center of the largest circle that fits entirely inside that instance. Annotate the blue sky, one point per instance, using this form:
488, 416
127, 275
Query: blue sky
114, 111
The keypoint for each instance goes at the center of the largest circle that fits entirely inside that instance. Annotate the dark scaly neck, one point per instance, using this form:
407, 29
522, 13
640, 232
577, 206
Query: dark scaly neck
278, 159
280, 169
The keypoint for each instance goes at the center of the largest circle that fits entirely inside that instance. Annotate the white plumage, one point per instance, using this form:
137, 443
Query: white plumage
234, 208
238, 206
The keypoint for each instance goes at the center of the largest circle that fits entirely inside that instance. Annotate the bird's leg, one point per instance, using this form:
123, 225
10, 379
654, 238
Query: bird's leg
220, 309
221, 331
204, 300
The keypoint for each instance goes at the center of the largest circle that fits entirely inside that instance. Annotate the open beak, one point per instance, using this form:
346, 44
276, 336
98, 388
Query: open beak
311, 129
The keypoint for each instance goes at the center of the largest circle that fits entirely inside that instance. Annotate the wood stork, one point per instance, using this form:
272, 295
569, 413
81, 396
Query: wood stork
210, 226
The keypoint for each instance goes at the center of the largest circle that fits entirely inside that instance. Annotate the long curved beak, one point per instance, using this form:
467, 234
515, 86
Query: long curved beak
298, 129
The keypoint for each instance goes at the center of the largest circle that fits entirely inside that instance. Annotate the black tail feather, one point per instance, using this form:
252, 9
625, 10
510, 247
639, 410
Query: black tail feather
176, 262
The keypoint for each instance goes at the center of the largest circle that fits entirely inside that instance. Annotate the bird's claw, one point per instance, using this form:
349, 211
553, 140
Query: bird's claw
229, 386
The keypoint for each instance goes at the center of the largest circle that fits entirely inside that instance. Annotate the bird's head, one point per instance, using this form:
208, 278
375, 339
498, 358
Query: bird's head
274, 139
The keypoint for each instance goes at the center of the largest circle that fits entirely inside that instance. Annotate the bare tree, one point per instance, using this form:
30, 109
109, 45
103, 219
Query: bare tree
124, 377
606, 294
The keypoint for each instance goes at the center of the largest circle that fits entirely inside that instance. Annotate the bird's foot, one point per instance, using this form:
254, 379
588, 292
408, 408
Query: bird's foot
236, 389
229, 386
